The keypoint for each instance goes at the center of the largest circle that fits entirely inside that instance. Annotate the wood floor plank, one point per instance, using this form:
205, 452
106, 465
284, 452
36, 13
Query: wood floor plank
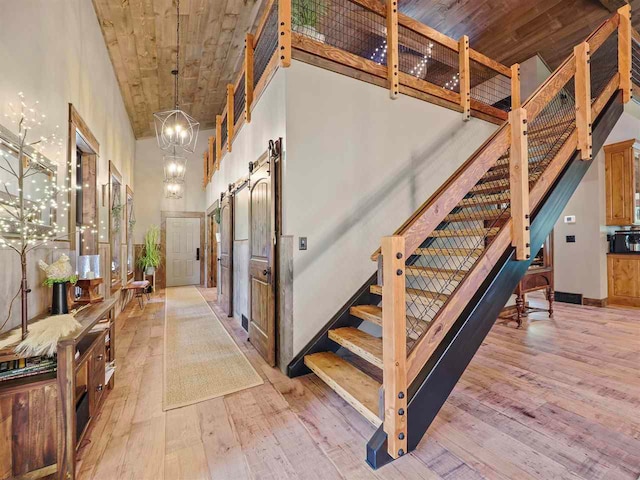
558, 398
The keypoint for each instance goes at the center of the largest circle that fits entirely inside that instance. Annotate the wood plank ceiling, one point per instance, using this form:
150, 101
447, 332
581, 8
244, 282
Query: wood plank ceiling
141, 40
140, 37
512, 31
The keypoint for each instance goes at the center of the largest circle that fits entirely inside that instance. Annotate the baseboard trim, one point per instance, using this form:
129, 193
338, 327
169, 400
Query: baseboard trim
595, 302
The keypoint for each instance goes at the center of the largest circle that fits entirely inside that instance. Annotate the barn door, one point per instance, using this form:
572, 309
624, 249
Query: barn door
262, 319
225, 285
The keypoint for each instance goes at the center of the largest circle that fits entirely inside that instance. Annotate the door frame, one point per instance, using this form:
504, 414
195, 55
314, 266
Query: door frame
162, 273
212, 247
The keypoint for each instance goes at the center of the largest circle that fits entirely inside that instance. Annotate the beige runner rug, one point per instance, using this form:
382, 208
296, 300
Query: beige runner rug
201, 360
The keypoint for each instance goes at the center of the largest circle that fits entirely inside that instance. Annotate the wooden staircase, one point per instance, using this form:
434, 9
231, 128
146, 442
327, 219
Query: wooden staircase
446, 273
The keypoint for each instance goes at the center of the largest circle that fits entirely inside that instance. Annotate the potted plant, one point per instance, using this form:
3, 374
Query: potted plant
59, 274
150, 258
304, 18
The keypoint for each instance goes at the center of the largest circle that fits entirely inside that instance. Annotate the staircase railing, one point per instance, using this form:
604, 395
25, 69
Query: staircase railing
446, 249
635, 63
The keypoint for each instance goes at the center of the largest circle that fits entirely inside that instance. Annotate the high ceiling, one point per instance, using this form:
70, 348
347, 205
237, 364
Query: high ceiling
141, 39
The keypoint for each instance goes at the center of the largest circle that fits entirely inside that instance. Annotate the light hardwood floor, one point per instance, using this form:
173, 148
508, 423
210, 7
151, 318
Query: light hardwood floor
557, 399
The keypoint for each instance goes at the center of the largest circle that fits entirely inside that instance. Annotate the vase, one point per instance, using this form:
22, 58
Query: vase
150, 270
59, 304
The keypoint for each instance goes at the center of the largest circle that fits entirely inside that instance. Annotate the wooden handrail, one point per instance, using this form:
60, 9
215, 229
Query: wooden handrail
624, 51
464, 71
583, 99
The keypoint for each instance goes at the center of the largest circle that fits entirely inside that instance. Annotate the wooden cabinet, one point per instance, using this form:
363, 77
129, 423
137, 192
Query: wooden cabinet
622, 179
623, 273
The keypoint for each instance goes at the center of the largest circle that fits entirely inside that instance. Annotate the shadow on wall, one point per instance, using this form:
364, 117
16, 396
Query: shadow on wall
420, 162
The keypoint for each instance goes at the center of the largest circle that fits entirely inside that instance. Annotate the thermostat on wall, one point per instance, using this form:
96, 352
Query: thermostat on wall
570, 219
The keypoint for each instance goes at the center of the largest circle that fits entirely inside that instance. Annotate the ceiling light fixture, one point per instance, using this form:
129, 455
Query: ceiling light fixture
176, 128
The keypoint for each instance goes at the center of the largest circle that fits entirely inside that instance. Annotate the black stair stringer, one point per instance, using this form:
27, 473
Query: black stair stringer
439, 376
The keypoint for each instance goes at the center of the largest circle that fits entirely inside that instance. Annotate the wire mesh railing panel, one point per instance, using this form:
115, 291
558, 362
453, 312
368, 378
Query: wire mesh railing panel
427, 59
445, 258
266, 45
550, 130
635, 63
342, 24
489, 87
238, 101
223, 136
604, 62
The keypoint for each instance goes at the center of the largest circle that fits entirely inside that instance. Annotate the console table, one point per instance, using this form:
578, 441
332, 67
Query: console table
43, 418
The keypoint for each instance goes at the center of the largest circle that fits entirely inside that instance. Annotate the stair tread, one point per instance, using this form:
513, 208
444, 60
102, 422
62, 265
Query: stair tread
480, 200
370, 313
440, 273
463, 232
373, 314
450, 252
361, 343
414, 294
354, 386
476, 215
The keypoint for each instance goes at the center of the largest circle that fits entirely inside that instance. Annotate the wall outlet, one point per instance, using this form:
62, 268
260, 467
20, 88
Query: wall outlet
303, 243
571, 239
570, 219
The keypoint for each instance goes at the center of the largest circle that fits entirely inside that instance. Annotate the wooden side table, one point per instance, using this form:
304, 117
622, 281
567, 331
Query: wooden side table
90, 291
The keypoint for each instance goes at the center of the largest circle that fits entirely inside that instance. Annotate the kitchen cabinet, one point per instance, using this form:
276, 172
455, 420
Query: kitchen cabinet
622, 179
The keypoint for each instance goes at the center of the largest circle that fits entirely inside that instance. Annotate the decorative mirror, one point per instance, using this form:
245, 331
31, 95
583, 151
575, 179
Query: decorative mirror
116, 214
131, 223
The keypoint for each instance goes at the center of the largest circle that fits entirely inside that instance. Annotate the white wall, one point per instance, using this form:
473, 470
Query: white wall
54, 52
357, 164
149, 198
267, 123
581, 267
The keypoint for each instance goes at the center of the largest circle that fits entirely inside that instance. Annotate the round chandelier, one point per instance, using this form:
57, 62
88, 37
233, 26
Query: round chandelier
175, 128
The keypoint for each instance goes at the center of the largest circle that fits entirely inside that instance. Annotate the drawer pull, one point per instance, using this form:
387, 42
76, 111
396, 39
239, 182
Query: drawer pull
99, 388
100, 357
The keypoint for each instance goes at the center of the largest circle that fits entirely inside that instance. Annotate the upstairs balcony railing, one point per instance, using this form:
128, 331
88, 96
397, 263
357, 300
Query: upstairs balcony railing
371, 41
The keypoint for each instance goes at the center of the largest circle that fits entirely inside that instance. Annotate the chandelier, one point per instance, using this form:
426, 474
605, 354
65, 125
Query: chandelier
176, 128
173, 189
175, 167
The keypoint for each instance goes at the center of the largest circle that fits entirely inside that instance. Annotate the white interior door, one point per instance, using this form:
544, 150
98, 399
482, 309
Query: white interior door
183, 242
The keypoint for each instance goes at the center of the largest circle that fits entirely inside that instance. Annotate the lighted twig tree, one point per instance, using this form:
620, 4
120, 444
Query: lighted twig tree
32, 201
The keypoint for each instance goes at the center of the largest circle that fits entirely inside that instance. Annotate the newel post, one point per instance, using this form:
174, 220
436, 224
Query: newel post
583, 99
392, 48
519, 184
284, 32
516, 100
465, 77
394, 345
624, 51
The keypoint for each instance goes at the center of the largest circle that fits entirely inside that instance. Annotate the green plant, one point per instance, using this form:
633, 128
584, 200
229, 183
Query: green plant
50, 281
151, 255
307, 12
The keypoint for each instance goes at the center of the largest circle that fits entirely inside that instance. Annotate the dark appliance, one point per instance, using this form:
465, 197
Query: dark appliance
625, 241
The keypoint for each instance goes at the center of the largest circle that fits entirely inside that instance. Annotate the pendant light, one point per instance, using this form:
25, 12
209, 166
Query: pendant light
176, 129
175, 167
173, 189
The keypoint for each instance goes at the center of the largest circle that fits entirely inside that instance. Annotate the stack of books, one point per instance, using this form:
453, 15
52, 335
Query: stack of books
26, 367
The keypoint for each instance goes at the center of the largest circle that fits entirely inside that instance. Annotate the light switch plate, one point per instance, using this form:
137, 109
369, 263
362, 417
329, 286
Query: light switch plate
303, 243
570, 219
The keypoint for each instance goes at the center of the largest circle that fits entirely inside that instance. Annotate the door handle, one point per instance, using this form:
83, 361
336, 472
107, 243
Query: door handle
198, 253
